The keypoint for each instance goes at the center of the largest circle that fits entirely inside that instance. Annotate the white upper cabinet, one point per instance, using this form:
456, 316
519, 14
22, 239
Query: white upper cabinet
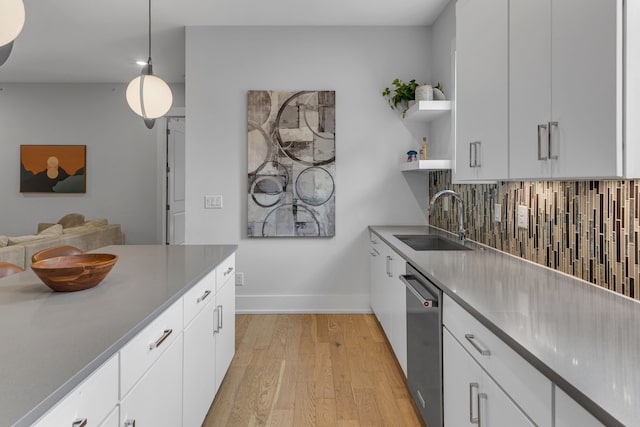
481, 107
565, 90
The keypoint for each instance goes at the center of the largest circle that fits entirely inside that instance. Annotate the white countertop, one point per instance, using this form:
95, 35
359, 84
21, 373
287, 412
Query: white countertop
584, 338
51, 341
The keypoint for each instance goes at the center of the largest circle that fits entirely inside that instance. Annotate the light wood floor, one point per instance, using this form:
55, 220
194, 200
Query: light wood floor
312, 370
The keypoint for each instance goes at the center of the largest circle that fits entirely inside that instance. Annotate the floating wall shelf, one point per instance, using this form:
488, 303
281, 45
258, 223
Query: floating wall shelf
425, 165
426, 111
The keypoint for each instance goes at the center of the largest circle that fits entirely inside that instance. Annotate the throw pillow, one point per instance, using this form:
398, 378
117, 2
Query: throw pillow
4, 241
96, 222
71, 220
23, 239
53, 231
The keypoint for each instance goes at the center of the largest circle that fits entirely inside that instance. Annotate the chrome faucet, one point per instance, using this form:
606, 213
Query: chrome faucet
458, 198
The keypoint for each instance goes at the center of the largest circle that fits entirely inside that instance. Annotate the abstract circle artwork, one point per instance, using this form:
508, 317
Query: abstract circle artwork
291, 164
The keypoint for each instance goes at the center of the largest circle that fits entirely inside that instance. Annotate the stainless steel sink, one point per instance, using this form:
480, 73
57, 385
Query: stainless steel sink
430, 242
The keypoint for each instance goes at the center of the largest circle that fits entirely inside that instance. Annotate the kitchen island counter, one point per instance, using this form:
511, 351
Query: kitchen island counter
584, 338
52, 341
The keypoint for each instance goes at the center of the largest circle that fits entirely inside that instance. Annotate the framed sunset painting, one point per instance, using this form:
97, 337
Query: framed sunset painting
53, 168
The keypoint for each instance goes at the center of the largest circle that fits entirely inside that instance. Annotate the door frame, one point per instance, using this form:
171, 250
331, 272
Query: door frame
161, 171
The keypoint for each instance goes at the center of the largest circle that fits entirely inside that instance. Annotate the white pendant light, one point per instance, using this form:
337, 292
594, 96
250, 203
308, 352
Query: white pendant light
149, 96
11, 20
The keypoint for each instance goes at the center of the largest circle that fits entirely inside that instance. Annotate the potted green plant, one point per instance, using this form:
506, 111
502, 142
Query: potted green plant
401, 93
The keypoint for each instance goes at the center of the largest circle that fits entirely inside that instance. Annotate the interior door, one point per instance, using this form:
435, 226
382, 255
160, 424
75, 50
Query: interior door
175, 181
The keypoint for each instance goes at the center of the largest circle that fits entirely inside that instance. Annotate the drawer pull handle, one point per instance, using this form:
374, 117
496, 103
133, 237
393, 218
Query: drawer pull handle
202, 298
79, 423
472, 420
480, 397
160, 340
472, 339
229, 270
130, 423
373, 253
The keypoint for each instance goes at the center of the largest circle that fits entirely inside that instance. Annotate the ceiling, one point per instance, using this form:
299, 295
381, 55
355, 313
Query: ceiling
89, 41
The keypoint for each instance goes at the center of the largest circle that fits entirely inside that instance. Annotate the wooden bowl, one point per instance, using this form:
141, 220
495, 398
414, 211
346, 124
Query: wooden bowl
74, 272
55, 251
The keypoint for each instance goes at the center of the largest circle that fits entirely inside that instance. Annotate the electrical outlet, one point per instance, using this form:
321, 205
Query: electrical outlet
523, 217
497, 212
213, 202
239, 279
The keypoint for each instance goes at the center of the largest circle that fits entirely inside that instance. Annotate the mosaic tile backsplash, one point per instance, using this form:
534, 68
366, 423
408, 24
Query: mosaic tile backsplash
588, 229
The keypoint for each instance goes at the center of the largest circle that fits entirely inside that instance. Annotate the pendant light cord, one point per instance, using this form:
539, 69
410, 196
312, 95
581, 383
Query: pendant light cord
149, 30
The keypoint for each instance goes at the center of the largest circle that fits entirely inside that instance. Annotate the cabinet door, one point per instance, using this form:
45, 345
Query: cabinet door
398, 309
481, 107
569, 413
226, 329
586, 80
199, 367
496, 409
156, 400
529, 88
461, 378
376, 277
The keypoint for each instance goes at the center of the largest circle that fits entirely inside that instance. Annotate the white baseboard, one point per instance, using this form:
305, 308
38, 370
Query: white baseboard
253, 304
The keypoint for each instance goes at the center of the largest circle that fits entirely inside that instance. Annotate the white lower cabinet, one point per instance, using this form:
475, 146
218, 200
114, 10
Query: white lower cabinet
570, 414
388, 296
199, 368
156, 400
225, 329
509, 390
89, 403
467, 385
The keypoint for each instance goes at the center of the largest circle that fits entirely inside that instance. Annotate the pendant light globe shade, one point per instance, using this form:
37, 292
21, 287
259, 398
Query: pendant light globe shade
11, 20
149, 96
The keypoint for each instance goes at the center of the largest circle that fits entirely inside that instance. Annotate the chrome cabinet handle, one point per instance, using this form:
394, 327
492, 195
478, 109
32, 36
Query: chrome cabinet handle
472, 339
540, 127
220, 317
480, 396
389, 266
552, 125
202, 298
216, 315
160, 340
229, 270
472, 420
130, 423
82, 422
473, 154
374, 252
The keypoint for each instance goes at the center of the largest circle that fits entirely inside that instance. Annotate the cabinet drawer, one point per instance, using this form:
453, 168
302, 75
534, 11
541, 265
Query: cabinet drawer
91, 400
522, 382
200, 295
145, 348
225, 271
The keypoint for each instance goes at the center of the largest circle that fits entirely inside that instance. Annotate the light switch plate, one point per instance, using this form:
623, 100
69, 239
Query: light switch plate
445, 204
497, 212
213, 202
239, 279
523, 216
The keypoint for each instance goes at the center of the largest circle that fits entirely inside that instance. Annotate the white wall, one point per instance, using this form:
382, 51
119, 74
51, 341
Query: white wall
222, 64
121, 156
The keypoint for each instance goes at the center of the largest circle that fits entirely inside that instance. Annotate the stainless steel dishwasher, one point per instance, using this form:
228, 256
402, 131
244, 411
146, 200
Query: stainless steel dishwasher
424, 345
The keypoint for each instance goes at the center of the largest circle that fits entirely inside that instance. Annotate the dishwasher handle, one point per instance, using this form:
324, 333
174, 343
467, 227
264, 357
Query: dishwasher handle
426, 303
